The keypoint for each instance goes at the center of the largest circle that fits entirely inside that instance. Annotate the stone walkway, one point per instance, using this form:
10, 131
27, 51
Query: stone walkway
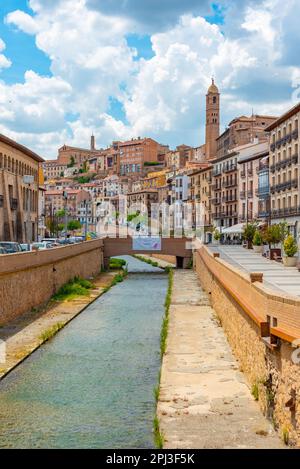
204, 400
276, 275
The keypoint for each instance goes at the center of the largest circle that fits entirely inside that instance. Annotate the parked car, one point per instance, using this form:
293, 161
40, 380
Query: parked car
50, 240
10, 247
41, 246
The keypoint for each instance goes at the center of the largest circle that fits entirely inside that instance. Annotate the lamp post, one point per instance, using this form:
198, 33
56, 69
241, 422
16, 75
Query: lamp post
65, 196
28, 180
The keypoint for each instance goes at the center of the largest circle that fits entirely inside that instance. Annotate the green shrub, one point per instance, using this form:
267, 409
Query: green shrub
217, 234
257, 239
76, 287
115, 263
290, 246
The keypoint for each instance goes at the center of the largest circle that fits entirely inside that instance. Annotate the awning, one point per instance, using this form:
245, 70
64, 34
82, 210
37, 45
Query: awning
235, 229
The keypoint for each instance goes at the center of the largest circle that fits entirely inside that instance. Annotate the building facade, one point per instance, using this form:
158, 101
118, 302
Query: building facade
284, 169
18, 195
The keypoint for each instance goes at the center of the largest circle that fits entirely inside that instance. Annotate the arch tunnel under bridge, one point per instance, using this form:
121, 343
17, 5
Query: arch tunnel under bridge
177, 247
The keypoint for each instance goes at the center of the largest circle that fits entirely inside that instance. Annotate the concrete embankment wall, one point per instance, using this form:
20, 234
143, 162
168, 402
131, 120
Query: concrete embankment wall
29, 279
260, 325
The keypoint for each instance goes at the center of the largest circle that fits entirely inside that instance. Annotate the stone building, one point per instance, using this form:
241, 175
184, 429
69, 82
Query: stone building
284, 169
18, 196
212, 121
241, 131
144, 198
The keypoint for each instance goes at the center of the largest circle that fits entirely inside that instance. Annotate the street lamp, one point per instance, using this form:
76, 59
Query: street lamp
65, 196
28, 180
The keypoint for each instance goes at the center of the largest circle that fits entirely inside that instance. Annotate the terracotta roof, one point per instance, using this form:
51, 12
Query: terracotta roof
21, 148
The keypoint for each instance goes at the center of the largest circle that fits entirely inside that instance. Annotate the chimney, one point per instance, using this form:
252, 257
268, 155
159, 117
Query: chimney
92, 142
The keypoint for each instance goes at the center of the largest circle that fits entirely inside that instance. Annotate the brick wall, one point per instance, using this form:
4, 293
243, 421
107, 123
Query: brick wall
28, 280
270, 371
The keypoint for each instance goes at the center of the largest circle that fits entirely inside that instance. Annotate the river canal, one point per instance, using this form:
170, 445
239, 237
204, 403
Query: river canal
92, 385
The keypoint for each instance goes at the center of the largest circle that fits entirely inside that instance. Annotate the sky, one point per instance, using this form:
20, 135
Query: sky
126, 68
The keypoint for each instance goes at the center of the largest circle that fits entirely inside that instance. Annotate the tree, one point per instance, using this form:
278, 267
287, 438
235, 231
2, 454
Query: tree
72, 162
290, 246
60, 213
74, 225
217, 234
273, 234
249, 232
257, 238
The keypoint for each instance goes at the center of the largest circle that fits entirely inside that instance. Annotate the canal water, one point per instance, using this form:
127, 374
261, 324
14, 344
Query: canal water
92, 385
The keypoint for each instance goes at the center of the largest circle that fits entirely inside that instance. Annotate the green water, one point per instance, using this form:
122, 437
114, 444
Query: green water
92, 385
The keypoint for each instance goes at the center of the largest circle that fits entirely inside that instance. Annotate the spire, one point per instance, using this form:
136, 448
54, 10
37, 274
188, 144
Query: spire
213, 89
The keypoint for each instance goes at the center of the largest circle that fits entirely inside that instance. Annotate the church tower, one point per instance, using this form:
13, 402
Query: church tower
212, 120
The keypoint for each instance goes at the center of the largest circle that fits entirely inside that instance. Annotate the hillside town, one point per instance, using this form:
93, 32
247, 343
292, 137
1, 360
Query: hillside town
247, 173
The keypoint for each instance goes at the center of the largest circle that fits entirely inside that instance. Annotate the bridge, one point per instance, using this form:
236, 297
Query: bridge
177, 247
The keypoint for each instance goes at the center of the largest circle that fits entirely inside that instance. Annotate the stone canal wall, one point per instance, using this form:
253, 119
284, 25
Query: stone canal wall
261, 326
29, 279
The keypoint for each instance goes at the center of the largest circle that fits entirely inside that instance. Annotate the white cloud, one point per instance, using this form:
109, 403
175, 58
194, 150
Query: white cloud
4, 61
163, 97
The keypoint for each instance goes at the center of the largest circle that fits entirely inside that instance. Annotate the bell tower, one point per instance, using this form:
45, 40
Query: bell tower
212, 120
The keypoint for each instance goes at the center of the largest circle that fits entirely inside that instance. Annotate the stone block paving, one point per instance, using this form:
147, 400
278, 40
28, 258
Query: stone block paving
276, 275
204, 400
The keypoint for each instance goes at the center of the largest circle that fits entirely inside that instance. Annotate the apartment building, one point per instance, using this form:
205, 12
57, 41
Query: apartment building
19, 212
143, 198
200, 196
69, 200
253, 187
177, 159
225, 191
284, 169
53, 170
136, 154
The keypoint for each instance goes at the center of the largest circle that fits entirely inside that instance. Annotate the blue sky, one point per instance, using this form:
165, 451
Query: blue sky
140, 68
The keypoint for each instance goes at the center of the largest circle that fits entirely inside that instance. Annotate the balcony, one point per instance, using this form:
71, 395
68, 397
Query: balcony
250, 194
263, 214
262, 167
243, 174
216, 172
14, 204
229, 199
242, 195
216, 201
232, 183
288, 185
216, 187
216, 216
262, 191
250, 171
231, 215
284, 163
286, 212
229, 168
284, 140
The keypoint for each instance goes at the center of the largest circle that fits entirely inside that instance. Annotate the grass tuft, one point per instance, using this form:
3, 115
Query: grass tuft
158, 436
255, 391
76, 287
116, 263
49, 333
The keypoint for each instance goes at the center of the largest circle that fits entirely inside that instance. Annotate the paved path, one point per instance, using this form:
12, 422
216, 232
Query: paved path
204, 399
285, 279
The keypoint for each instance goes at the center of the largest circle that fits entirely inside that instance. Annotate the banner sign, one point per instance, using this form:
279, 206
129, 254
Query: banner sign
146, 244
